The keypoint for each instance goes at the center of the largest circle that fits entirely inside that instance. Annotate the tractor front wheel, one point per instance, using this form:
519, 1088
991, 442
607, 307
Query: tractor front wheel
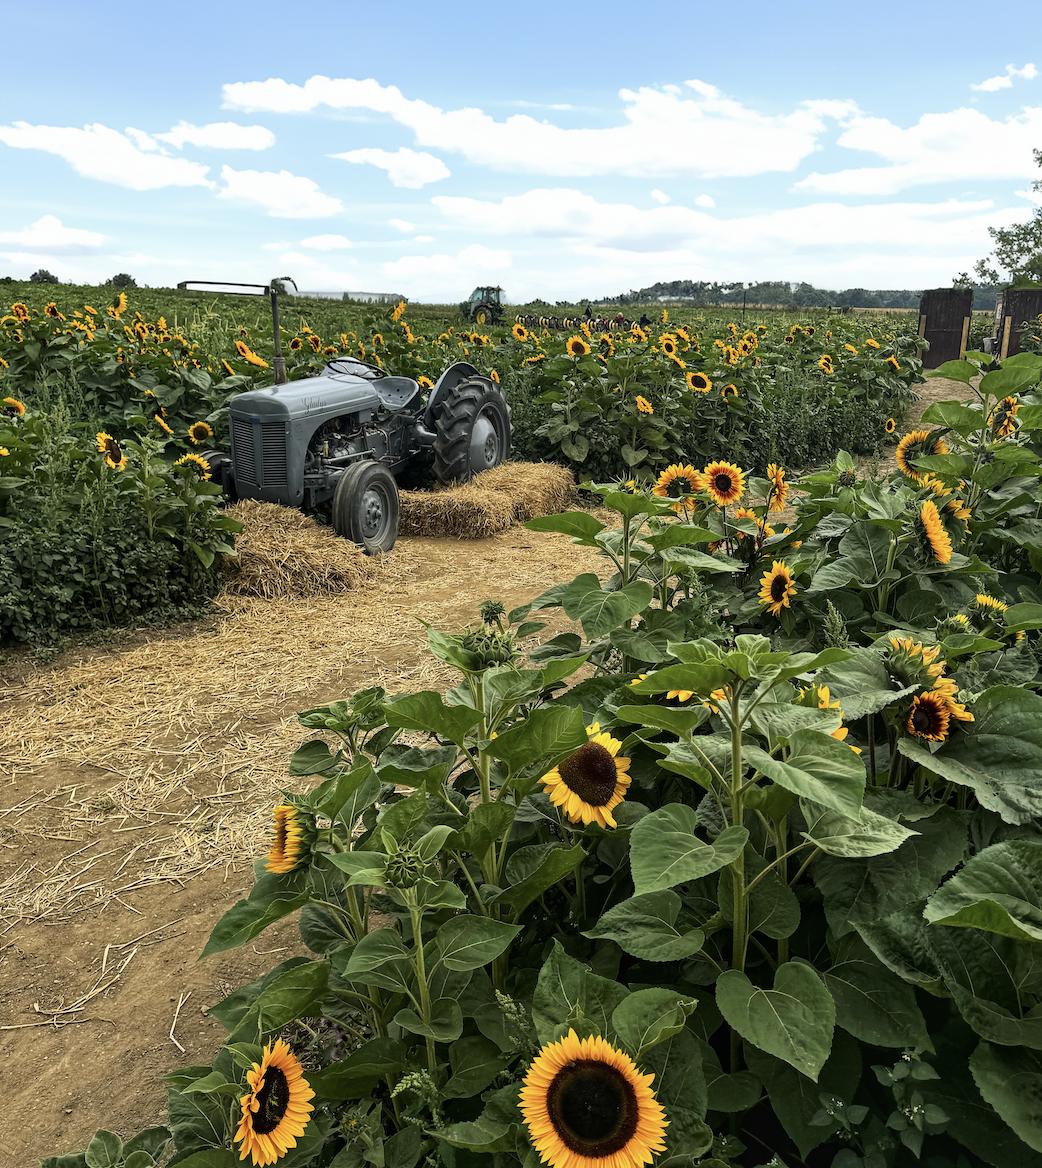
473, 430
365, 507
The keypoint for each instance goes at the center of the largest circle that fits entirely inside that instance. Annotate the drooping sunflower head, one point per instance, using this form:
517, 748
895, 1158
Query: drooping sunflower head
891, 425
296, 344
577, 347
911, 662
929, 717
825, 363
677, 481
592, 782
932, 535
777, 587
160, 421
111, 449
424, 382
851, 348
779, 487
893, 361
199, 432
724, 481
11, 407
52, 311
586, 1105
988, 606
276, 1109
315, 341
294, 834
399, 310
519, 332
191, 464
915, 445
227, 368
698, 382
644, 405
1003, 418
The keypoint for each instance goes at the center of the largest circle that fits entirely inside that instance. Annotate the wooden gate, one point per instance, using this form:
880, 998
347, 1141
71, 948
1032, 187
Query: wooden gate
944, 321
1014, 307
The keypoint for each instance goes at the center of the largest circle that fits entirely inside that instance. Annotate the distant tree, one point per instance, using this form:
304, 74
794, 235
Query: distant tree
1018, 249
963, 280
122, 280
6, 279
43, 277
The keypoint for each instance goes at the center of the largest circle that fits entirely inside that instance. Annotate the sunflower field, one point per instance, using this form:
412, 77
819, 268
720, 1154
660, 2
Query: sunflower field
744, 870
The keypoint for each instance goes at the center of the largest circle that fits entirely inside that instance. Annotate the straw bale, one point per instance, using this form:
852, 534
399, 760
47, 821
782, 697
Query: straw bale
490, 502
283, 553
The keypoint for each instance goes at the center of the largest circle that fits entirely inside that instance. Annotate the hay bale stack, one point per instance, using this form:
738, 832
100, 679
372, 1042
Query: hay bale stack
490, 502
284, 554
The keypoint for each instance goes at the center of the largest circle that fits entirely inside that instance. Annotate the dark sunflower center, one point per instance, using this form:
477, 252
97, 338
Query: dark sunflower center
723, 483
923, 720
591, 774
678, 487
593, 1108
778, 587
273, 1098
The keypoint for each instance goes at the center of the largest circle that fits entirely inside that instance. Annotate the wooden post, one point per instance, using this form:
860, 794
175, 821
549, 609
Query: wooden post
965, 335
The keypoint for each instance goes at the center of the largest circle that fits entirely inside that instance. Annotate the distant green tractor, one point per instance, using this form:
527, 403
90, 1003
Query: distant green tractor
485, 306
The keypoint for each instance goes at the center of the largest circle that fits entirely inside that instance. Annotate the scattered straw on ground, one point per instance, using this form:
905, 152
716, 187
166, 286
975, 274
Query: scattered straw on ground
490, 502
284, 553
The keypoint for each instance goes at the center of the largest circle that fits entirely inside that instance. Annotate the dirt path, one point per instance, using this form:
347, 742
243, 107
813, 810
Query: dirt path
137, 789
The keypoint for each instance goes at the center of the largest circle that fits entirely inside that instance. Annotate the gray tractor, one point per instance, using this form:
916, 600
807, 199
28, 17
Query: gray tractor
342, 436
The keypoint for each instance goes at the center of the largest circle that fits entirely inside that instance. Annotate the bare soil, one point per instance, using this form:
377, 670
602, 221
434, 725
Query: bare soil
136, 786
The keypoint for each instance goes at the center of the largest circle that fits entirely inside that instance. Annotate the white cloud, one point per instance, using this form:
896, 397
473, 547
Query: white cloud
469, 266
423, 239
664, 132
107, 155
1005, 80
403, 225
660, 197
326, 242
219, 136
277, 245
705, 201
50, 236
405, 168
284, 195
959, 146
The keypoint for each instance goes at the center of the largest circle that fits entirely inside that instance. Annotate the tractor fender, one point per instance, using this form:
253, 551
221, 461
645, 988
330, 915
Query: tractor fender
446, 382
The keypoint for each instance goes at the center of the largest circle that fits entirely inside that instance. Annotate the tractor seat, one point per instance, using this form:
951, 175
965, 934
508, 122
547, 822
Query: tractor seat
395, 392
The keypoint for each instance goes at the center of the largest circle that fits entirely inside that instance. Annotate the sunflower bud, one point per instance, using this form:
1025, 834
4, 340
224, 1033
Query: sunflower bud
489, 647
405, 868
847, 478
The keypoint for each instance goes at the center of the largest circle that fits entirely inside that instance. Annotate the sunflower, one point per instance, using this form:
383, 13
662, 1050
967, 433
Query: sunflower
111, 449
519, 332
929, 717
676, 482
914, 445
780, 488
668, 344
910, 662
296, 344
315, 341
988, 605
198, 432
277, 1108
119, 306
724, 481
51, 310
424, 382
933, 533
294, 834
586, 1105
193, 462
698, 382
729, 387
162, 424
577, 347
227, 368
891, 425
590, 782
851, 349
12, 407
4, 452
20, 312
644, 405
776, 586
788, 340
945, 688
1003, 418
247, 354
825, 363
809, 330
894, 362
872, 344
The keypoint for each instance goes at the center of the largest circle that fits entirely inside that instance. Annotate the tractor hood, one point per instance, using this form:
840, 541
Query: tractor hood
316, 398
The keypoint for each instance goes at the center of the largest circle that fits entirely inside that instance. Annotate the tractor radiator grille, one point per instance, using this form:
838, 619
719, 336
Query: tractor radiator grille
273, 447
265, 467
245, 455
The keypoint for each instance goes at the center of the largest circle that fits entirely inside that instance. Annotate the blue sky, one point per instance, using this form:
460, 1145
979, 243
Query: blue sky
561, 151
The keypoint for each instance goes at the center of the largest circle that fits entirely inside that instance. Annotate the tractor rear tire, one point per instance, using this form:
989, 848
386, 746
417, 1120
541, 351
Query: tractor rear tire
365, 507
481, 315
473, 430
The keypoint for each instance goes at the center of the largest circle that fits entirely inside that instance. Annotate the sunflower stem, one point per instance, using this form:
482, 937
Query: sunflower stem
739, 938
416, 917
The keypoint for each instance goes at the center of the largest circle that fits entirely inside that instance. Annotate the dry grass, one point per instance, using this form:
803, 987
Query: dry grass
490, 502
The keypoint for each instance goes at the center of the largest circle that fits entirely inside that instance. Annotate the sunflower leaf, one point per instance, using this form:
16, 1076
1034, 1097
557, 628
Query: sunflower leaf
468, 942
446, 1023
664, 850
104, 1151
645, 927
580, 525
647, 1017
600, 611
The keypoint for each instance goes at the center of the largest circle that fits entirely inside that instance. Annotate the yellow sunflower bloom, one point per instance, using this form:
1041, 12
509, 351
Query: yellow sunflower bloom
779, 487
644, 405
577, 347
277, 1107
20, 312
933, 532
592, 782
929, 717
677, 481
162, 424
698, 382
914, 445
777, 587
891, 425
12, 407
193, 463
519, 332
586, 1105
724, 481
825, 364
